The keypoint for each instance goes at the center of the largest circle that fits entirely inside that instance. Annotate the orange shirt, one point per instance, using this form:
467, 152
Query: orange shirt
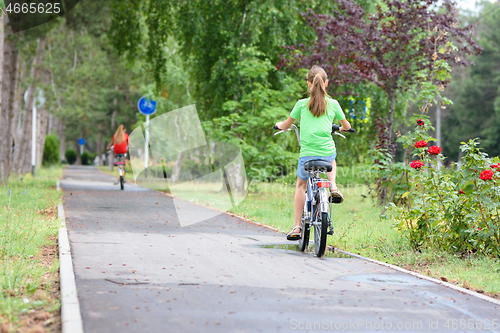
122, 147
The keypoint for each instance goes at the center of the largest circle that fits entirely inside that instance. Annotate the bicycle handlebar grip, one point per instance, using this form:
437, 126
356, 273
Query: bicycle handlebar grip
337, 127
275, 127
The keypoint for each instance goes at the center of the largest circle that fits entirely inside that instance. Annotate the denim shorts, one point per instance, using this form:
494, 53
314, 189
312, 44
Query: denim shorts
303, 174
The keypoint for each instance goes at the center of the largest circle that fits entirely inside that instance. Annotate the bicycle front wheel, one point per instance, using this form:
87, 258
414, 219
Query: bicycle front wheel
320, 233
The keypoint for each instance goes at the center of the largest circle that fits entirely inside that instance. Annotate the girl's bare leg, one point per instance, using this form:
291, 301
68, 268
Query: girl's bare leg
333, 174
300, 198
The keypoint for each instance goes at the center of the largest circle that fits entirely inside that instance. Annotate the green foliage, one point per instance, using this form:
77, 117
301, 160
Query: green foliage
85, 158
89, 84
476, 91
70, 156
251, 118
51, 150
211, 34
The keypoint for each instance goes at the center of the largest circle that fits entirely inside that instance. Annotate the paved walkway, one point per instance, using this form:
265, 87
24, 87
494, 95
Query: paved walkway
138, 270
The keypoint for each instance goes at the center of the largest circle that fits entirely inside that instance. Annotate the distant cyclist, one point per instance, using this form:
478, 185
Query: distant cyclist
120, 141
317, 114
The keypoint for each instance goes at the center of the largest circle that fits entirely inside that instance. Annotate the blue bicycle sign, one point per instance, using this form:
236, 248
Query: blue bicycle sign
146, 106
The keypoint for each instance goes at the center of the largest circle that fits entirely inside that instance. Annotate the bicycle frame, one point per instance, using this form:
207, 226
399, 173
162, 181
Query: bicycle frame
310, 200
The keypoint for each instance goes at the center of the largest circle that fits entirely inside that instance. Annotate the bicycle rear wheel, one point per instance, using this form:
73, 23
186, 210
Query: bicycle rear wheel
304, 234
121, 183
320, 233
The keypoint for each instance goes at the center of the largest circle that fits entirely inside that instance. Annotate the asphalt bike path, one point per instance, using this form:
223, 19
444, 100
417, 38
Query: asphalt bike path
138, 270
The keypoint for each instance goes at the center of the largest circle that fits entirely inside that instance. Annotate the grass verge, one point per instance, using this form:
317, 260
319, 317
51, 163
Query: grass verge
29, 265
359, 229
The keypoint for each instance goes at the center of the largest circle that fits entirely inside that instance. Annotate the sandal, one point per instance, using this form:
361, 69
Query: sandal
293, 236
335, 196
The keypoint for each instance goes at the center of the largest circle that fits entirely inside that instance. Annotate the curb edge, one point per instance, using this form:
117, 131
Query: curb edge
70, 307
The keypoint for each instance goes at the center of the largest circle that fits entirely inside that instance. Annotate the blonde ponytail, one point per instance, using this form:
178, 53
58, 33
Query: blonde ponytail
119, 135
317, 103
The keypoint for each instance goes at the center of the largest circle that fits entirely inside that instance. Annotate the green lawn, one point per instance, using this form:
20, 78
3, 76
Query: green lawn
28, 245
359, 229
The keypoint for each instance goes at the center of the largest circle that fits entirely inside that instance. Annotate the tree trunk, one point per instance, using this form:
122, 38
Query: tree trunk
10, 65
99, 149
77, 149
42, 123
111, 159
89, 148
392, 98
176, 173
41, 133
2, 23
438, 131
459, 162
53, 123
20, 159
18, 104
62, 139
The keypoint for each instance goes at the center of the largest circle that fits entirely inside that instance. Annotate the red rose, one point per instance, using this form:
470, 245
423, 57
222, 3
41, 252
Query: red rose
434, 150
495, 166
479, 228
420, 122
486, 175
416, 164
420, 144
461, 191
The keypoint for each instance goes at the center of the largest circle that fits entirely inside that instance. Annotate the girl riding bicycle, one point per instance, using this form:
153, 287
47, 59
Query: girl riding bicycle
317, 114
120, 141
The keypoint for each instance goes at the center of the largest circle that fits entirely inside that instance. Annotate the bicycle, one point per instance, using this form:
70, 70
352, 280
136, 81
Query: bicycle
317, 208
121, 168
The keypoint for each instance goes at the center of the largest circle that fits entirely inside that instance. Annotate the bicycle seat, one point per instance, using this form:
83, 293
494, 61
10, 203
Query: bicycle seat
119, 163
318, 165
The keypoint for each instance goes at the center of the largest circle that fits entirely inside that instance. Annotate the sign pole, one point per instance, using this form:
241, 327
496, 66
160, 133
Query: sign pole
146, 148
147, 107
33, 139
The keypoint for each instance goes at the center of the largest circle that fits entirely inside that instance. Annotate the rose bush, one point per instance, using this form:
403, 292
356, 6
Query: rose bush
456, 209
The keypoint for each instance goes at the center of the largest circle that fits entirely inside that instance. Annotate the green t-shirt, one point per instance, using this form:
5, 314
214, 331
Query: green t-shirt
316, 132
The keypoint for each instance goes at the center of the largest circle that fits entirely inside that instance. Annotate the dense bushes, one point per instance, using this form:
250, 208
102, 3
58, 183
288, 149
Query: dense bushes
51, 150
70, 156
458, 210
85, 157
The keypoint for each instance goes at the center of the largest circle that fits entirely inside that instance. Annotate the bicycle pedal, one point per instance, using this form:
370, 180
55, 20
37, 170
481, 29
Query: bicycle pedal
330, 232
335, 200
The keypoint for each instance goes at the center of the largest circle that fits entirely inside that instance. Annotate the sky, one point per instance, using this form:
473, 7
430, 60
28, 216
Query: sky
467, 4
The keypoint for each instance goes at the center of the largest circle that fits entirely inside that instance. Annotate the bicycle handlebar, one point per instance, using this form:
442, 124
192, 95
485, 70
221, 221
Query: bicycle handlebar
335, 128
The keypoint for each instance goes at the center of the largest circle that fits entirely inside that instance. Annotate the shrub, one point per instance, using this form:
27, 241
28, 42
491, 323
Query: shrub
85, 157
51, 150
70, 156
456, 211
